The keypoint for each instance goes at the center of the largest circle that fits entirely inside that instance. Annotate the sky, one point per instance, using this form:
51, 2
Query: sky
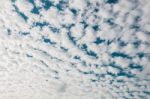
74, 49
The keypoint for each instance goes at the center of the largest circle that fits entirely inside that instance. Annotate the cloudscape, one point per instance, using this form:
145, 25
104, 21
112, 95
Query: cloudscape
74, 49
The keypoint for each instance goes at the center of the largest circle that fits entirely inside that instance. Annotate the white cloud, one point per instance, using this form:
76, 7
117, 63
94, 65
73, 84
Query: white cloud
33, 69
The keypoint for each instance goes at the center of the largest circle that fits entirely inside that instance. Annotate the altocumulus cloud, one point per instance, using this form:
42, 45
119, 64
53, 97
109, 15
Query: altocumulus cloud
74, 49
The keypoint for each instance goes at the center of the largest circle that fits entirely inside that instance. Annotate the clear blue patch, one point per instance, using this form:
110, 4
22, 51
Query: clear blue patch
13, 0
110, 21
23, 16
135, 27
120, 81
47, 40
64, 49
77, 57
24, 33
98, 76
119, 54
96, 27
123, 73
122, 43
137, 44
111, 74
147, 92
109, 42
89, 72
68, 26
71, 38
137, 18
40, 24
74, 11
47, 4
141, 55
84, 24
20, 13
61, 5
84, 47
32, 2
112, 64
96, 10
35, 10
55, 30
112, 1
99, 41
91, 53
136, 66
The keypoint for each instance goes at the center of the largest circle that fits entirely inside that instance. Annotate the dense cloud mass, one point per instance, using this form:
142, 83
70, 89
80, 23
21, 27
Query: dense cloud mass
74, 49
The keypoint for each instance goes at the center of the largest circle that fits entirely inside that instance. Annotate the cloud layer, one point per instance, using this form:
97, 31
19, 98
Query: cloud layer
74, 49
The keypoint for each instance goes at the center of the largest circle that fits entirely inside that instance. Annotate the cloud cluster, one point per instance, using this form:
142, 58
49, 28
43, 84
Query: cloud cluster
74, 49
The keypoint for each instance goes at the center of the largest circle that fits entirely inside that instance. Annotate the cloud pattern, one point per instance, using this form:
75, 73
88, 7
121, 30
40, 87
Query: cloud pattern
74, 49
